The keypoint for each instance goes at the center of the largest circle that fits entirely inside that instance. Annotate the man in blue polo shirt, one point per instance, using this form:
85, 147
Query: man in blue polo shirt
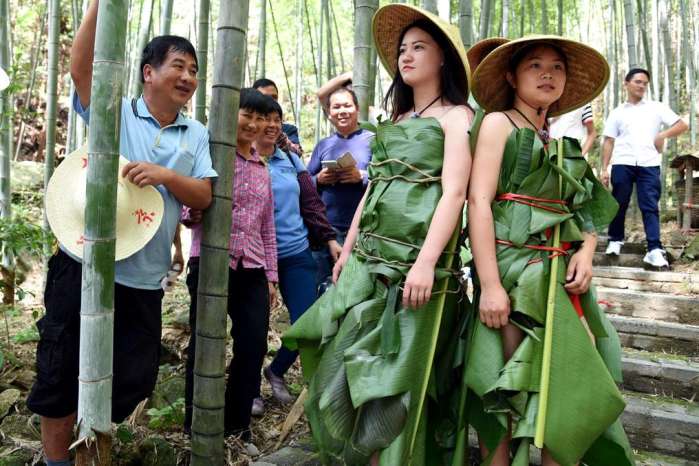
340, 188
168, 151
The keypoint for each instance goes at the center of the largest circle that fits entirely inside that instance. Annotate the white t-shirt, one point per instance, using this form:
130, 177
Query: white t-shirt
634, 128
571, 124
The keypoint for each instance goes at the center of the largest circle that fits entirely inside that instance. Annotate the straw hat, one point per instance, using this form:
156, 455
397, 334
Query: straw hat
4, 80
481, 49
138, 215
587, 74
388, 24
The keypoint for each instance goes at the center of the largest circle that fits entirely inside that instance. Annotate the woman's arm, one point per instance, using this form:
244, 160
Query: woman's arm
351, 237
494, 304
455, 176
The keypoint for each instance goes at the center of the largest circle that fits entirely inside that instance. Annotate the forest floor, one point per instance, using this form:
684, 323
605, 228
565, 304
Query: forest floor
153, 435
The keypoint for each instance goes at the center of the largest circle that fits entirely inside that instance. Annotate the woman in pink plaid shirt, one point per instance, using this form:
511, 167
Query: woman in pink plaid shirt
252, 271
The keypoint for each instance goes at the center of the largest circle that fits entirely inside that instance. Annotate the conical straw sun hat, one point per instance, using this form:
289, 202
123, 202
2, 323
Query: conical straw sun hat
388, 24
482, 48
587, 74
138, 216
4, 80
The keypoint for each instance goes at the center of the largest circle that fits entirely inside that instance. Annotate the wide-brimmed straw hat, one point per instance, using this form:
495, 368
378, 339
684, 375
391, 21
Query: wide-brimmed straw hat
4, 80
481, 49
390, 21
138, 215
587, 73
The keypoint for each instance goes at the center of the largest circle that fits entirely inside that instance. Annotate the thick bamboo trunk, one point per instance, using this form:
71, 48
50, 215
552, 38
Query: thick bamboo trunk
6, 259
97, 297
363, 12
429, 5
484, 25
560, 18
691, 81
298, 63
51, 103
630, 34
212, 295
261, 60
136, 85
165, 17
663, 10
505, 18
544, 18
202, 56
466, 22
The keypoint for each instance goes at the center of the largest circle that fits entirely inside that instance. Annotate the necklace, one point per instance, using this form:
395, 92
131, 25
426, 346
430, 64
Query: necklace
543, 132
419, 114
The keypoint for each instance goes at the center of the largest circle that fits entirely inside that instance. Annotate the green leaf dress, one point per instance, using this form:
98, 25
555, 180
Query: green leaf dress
381, 377
584, 401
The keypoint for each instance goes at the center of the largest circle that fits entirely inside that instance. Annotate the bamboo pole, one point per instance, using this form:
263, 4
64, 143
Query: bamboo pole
298, 64
143, 34
261, 59
363, 13
281, 58
51, 103
548, 332
484, 25
212, 295
466, 22
320, 65
202, 56
544, 18
630, 34
97, 297
165, 17
430, 5
6, 260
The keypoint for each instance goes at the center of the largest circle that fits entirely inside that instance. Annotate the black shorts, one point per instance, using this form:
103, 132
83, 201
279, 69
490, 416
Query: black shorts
137, 327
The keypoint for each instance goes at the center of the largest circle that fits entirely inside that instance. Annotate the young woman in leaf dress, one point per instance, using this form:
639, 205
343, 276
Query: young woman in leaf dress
375, 347
532, 199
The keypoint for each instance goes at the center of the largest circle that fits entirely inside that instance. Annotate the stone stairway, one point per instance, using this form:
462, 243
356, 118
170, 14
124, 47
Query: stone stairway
656, 314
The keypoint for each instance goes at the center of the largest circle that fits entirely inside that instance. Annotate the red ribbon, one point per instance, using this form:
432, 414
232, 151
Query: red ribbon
533, 201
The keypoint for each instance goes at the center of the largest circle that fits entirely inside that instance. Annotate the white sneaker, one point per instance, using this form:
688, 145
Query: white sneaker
656, 258
614, 247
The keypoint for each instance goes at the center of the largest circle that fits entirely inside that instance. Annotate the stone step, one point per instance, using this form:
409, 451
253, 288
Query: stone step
627, 248
622, 260
657, 374
657, 336
657, 306
662, 425
638, 279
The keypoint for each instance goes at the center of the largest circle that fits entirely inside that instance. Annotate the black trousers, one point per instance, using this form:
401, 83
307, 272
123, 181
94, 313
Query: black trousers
248, 308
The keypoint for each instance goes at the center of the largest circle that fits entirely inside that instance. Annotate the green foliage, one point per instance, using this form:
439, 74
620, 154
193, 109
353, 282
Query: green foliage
170, 416
21, 236
124, 434
27, 335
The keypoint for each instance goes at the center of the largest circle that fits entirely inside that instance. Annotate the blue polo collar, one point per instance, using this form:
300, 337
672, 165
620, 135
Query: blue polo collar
143, 112
350, 135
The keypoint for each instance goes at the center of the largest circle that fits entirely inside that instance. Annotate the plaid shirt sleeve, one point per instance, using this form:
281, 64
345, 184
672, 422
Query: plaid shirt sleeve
269, 237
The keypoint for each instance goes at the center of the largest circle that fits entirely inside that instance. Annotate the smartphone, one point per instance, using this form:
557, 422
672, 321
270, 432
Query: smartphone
329, 164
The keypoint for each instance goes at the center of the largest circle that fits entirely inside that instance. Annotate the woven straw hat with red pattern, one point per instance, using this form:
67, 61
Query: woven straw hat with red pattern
138, 216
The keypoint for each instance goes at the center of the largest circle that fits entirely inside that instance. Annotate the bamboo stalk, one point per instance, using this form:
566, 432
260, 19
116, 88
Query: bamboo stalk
165, 17
143, 34
97, 297
466, 22
202, 56
548, 333
212, 294
6, 259
51, 103
281, 58
363, 13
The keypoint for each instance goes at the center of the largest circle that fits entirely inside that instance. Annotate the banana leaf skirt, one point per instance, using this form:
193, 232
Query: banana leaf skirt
381, 377
584, 401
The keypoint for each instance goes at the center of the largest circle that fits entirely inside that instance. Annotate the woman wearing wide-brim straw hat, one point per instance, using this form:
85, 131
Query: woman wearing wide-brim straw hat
533, 358
380, 342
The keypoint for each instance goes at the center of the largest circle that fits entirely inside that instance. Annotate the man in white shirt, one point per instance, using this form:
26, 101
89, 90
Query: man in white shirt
577, 124
633, 140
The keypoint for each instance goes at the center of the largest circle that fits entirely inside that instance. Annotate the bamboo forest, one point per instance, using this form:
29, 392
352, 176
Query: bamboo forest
181, 180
